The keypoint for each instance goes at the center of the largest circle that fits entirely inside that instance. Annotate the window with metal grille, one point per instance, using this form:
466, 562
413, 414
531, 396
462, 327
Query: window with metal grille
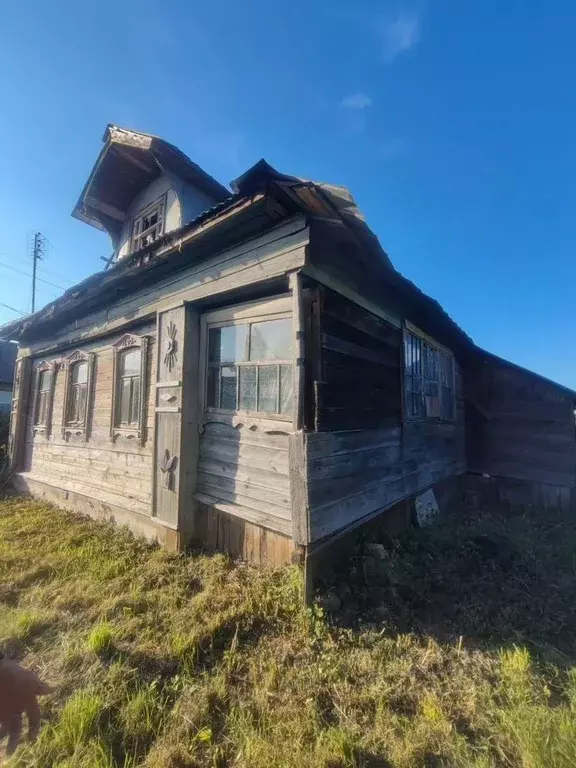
249, 367
43, 397
428, 380
78, 394
148, 226
128, 383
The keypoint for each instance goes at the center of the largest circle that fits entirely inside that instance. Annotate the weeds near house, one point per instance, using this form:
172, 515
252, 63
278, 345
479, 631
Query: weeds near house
172, 661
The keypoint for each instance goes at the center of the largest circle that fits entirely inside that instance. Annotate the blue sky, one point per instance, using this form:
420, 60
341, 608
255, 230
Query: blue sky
454, 125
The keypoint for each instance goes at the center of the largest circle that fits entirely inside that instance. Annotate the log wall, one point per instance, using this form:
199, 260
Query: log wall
116, 472
520, 426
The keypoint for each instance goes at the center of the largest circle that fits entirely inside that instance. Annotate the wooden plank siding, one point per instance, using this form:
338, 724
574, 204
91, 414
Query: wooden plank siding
519, 425
246, 474
360, 384
117, 473
362, 459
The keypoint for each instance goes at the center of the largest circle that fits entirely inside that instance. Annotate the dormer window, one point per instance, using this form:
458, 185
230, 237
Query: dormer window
148, 226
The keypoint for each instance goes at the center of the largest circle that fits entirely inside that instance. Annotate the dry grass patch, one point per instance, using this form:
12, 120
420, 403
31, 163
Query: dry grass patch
173, 661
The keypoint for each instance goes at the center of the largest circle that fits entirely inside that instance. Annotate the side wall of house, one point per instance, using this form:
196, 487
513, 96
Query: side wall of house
362, 458
112, 473
519, 426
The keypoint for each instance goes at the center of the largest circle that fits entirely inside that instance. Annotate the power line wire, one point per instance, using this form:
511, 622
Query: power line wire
13, 309
40, 279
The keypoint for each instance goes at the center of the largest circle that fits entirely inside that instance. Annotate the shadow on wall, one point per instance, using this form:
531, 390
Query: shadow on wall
475, 576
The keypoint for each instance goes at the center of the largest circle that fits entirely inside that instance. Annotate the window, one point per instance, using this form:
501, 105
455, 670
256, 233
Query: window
249, 367
428, 380
77, 398
128, 388
43, 397
79, 370
148, 226
129, 393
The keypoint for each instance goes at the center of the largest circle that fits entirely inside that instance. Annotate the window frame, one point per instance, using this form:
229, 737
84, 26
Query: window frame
411, 330
138, 431
77, 428
148, 210
279, 308
44, 427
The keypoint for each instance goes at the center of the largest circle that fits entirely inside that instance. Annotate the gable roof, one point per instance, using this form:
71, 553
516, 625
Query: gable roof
248, 210
129, 162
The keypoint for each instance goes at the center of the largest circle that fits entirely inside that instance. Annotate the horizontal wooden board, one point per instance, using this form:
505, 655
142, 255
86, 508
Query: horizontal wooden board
259, 517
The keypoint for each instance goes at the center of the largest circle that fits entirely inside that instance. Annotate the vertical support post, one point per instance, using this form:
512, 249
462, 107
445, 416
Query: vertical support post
176, 432
295, 281
21, 400
297, 444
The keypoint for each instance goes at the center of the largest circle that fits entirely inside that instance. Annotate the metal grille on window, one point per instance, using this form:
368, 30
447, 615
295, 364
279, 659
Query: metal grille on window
428, 380
250, 367
128, 393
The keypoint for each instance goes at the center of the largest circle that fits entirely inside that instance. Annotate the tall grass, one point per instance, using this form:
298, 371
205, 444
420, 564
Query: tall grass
165, 660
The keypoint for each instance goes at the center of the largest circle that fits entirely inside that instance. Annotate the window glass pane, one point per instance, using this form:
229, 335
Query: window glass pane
41, 411
247, 387
228, 344
124, 401
135, 401
268, 388
129, 363
213, 387
286, 381
271, 340
73, 405
79, 373
44, 380
228, 388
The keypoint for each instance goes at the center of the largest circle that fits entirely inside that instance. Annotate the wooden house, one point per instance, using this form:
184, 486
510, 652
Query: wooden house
252, 372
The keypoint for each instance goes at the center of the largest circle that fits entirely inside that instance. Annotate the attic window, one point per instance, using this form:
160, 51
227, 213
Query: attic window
148, 226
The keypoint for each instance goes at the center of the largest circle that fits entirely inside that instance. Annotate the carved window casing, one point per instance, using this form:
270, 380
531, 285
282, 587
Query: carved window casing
79, 371
129, 392
45, 381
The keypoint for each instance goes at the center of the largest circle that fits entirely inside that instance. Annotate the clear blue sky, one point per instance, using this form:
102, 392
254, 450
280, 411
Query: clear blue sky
453, 123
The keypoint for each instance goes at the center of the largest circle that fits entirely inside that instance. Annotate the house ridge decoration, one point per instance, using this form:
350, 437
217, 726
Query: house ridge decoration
257, 354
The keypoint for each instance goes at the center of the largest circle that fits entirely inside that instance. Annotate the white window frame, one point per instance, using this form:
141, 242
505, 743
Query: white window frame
275, 309
138, 431
79, 428
137, 234
427, 341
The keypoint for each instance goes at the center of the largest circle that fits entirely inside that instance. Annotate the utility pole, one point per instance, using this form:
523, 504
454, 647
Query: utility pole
38, 252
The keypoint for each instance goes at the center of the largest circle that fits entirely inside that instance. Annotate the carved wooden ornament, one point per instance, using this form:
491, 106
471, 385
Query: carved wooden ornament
167, 466
170, 346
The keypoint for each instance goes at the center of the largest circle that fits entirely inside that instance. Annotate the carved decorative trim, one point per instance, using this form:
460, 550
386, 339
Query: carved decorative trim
80, 429
170, 346
139, 432
46, 427
167, 465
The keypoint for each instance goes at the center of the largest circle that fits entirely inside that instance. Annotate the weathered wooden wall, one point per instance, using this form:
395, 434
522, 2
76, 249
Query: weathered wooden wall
218, 530
363, 459
245, 473
118, 473
360, 371
519, 425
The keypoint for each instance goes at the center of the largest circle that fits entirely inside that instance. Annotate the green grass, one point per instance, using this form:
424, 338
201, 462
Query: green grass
172, 661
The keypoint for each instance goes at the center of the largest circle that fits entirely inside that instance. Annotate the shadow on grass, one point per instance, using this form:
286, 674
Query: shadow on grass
488, 578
